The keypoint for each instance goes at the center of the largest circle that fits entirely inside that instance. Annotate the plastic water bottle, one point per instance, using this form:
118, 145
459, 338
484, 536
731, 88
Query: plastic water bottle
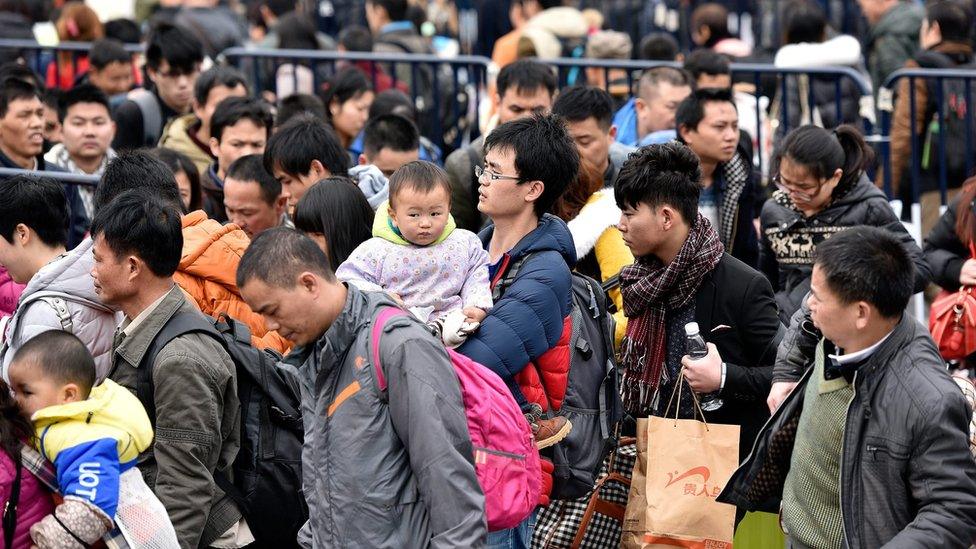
696, 349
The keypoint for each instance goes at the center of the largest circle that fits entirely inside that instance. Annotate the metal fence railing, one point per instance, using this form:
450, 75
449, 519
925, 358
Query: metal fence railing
64, 56
61, 177
446, 92
942, 148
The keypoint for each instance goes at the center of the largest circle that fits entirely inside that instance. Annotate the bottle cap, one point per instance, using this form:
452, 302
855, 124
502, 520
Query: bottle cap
691, 329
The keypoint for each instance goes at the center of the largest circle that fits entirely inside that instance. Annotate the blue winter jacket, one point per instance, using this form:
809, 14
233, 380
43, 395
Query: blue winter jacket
626, 122
528, 319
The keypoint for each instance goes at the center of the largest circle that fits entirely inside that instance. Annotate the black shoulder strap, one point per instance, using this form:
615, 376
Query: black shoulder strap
10, 509
508, 278
178, 325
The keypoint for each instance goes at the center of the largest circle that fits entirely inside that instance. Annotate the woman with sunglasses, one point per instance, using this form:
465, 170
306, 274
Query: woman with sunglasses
822, 189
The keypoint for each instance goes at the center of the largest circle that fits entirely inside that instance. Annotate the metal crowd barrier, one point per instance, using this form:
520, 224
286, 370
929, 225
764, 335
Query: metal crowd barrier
446, 91
38, 57
934, 114
61, 177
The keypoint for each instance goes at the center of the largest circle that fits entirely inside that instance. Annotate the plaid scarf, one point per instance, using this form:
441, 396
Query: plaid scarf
650, 290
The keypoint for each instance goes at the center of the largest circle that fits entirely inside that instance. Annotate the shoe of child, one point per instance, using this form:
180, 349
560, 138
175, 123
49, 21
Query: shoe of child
547, 431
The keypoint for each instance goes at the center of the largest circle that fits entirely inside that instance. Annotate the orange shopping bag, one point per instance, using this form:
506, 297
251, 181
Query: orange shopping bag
687, 463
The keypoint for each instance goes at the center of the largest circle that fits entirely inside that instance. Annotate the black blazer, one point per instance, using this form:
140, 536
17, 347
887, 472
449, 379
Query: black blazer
735, 309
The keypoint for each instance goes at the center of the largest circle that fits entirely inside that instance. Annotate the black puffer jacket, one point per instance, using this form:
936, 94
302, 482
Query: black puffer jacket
944, 252
908, 479
789, 239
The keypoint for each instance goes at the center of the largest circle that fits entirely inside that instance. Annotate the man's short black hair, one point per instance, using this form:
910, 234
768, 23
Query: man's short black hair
658, 175
251, 168
393, 101
174, 44
708, 62
215, 76
304, 139
14, 89
61, 358
543, 151
37, 202
868, 264
124, 30
396, 9
137, 170
526, 76
392, 132
299, 103
278, 256
356, 38
654, 76
141, 224
21, 72
85, 93
578, 103
106, 51
658, 46
691, 111
954, 17
232, 110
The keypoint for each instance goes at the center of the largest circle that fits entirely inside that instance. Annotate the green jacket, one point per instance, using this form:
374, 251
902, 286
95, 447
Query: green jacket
893, 41
197, 422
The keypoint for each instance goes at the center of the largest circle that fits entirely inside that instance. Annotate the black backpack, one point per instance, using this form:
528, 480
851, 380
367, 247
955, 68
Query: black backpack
267, 485
592, 401
954, 112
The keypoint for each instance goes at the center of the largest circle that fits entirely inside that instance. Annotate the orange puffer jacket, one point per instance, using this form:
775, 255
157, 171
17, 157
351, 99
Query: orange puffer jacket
208, 271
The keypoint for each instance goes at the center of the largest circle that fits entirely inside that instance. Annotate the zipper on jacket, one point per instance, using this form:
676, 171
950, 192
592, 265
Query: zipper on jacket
843, 441
499, 453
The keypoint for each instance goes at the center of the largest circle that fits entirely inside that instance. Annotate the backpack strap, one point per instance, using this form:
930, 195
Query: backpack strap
506, 275
379, 323
10, 509
178, 325
152, 116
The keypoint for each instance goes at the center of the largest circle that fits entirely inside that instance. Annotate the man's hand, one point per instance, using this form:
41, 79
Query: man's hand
705, 374
967, 275
778, 394
474, 314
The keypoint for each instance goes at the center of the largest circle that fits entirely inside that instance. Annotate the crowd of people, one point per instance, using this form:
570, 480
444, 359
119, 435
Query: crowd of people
190, 348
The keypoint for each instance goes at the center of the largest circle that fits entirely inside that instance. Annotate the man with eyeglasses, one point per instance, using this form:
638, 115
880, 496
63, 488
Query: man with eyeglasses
528, 164
524, 88
173, 58
708, 123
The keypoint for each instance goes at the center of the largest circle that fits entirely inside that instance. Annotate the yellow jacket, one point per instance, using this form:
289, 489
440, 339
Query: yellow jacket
92, 442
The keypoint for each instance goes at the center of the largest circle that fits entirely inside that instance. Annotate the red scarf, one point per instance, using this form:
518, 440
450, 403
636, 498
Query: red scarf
650, 290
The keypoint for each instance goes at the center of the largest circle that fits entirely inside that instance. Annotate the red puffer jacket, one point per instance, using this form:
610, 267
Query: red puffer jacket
544, 381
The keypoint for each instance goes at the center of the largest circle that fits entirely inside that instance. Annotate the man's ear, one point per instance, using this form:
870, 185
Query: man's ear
613, 132
536, 188
864, 313
22, 235
214, 146
318, 170
280, 204
310, 283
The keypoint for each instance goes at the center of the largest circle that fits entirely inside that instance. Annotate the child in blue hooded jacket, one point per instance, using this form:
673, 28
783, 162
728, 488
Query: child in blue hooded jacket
93, 436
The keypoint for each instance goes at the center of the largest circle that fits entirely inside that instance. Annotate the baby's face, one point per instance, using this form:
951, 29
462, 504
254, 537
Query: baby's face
32, 390
421, 217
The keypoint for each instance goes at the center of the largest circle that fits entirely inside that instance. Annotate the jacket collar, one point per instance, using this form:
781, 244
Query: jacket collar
877, 363
341, 335
731, 180
7, 162
134, 347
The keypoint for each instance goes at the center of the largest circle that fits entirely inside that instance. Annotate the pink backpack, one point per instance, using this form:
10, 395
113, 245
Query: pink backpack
506, 459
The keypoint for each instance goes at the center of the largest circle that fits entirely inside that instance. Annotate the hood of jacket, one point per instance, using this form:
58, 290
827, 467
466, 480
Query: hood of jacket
552, 234
599, 214
211, 251
843, 50
69, 274
383, 227
902, 18
372, 182
562, 22
110, 409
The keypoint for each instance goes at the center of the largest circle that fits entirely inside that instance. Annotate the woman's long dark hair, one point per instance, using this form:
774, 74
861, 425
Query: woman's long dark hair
965, 217
338, 210
347, 84
179, 162
588, 181
822, 152
15, 427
